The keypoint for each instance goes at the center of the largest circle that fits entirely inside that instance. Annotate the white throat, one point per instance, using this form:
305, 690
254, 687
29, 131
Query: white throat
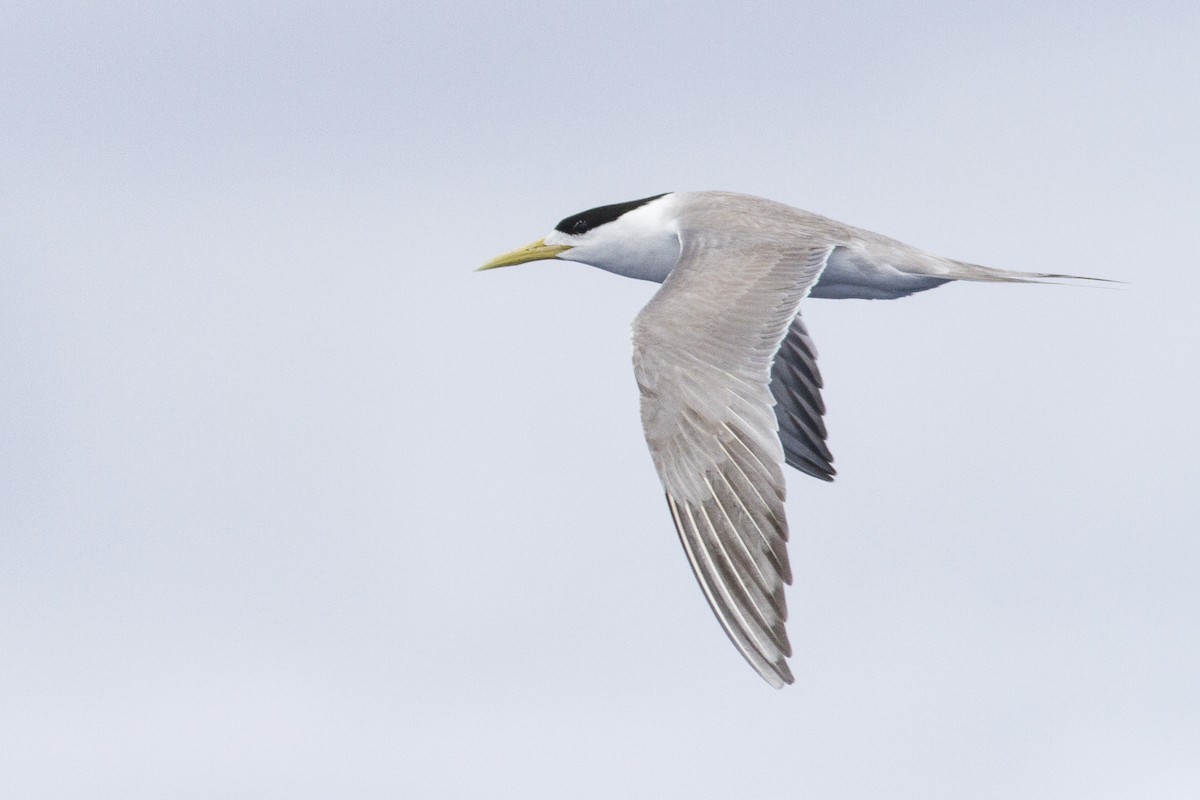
642, 243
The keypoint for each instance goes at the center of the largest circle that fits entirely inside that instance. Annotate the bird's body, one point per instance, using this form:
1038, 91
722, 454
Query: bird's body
727, 372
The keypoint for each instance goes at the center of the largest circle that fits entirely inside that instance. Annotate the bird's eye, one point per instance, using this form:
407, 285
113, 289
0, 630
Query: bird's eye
580, 226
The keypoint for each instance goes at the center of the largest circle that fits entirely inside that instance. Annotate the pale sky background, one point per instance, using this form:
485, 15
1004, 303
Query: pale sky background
295, 505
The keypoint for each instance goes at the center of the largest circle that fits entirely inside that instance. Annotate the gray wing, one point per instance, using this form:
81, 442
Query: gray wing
796, 384
703, 349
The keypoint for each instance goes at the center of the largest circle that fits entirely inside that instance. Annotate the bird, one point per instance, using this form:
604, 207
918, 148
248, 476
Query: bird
727, 372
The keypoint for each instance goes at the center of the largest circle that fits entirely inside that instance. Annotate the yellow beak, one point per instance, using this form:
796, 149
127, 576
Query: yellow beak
531, 252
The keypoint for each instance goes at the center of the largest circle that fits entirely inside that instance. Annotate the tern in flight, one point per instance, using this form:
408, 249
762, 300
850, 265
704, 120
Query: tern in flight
730, 390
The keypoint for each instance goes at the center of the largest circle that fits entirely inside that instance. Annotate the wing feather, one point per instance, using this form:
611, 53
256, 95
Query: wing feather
703, 353
796, 384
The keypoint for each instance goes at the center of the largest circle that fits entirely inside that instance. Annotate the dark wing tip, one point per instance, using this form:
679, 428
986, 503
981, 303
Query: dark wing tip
821, 471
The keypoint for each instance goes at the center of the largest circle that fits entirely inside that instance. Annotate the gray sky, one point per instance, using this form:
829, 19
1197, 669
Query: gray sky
294, 504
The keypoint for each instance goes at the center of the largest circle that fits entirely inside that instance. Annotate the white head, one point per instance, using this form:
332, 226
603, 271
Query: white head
638, 239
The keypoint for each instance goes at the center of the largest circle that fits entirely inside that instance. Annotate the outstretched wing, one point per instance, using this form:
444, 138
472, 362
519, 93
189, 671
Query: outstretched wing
703, 349
796, 384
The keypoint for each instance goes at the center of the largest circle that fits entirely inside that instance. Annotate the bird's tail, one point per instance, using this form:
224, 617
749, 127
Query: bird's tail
961, 271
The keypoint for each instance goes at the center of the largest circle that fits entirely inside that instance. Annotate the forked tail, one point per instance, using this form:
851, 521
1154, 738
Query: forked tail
962, 271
